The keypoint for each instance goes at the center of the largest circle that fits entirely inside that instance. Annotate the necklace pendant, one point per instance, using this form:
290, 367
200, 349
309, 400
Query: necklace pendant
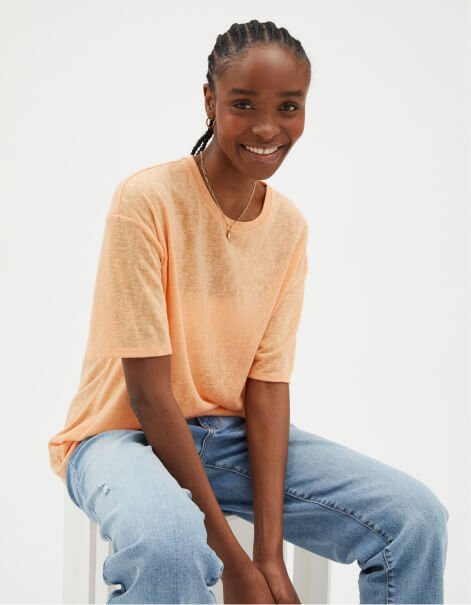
228, 234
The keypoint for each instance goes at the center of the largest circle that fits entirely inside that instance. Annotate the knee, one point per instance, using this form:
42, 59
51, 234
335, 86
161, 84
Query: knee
175, 568
178, 544
195, 557
424, 509
433, 510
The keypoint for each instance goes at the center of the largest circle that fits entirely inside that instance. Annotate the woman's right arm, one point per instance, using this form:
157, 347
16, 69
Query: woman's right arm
166, 430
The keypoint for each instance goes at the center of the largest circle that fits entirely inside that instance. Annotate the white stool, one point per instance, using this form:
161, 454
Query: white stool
85, 552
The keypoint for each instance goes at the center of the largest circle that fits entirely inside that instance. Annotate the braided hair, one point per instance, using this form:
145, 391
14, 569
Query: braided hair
236, 41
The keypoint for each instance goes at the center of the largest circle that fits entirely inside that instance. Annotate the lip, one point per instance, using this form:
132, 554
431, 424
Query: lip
262, 158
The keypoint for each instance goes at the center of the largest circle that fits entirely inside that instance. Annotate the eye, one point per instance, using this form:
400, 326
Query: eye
290, 106
237, 103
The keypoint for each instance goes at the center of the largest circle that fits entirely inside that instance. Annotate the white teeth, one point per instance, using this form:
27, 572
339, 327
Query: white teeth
261, 151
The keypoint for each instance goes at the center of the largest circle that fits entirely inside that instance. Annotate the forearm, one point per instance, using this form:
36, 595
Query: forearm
267, 416
170, 437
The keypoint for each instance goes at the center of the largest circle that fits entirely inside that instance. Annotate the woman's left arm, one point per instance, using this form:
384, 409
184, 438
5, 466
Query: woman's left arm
267, 417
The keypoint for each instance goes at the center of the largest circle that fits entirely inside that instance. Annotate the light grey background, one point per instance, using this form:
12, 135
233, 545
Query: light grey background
92, 91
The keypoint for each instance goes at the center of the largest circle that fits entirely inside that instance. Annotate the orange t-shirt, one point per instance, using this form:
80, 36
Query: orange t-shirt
170, 282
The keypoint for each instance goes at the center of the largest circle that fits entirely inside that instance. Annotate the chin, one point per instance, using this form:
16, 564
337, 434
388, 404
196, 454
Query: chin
266, 173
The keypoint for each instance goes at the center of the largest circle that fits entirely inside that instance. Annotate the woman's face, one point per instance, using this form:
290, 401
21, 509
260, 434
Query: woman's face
259, 109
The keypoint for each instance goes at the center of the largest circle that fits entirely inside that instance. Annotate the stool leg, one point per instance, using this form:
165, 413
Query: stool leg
311, 576
79, 549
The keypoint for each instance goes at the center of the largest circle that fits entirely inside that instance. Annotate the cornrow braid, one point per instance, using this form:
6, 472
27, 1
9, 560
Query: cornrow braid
203, 140
234, 43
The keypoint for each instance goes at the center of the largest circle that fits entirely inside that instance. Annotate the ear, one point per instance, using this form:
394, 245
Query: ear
209, 101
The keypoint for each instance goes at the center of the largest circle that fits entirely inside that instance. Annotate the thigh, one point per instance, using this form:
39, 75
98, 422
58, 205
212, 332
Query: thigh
338, 502
118, 481
159, 539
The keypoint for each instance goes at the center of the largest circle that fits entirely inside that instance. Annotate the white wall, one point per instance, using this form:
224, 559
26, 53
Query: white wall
91, 91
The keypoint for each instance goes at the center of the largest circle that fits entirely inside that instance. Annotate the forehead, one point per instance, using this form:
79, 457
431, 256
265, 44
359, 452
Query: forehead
266, 68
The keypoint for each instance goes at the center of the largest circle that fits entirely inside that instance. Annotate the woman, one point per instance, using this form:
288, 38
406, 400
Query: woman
182, 413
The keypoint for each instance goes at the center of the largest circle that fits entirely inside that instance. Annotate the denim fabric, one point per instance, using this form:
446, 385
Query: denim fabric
339, 504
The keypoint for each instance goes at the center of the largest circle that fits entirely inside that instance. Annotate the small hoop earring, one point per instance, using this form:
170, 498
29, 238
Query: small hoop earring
210, 123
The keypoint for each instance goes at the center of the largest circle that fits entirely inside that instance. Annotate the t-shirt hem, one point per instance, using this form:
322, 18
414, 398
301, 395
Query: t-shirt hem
268, 378
137, 352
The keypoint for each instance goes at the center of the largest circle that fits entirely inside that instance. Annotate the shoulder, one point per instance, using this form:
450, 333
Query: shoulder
145, 186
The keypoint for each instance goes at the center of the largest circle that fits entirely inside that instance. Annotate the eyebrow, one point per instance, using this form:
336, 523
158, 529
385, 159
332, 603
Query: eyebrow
254, 93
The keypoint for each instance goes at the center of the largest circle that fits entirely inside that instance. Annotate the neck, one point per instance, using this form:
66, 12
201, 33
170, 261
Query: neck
231, 188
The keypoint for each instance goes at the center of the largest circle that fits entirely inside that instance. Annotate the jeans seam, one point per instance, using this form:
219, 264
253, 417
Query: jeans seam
389, 575
74, 471
206, 440
383, 536
78, 482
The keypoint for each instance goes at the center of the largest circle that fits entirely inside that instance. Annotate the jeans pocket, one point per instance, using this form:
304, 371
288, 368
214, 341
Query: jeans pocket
79, 446
71, 472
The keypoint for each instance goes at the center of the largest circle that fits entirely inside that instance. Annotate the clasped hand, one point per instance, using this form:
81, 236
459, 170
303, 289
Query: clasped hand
259, 582
278, 581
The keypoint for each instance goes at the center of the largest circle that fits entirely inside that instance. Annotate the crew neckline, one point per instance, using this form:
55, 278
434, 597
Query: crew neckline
216, 210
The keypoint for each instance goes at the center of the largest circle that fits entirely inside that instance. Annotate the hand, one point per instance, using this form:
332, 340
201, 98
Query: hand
245, 583
278, 580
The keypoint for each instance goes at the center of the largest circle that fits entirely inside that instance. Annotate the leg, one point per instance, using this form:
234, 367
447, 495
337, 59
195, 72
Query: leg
160, 549
345, 506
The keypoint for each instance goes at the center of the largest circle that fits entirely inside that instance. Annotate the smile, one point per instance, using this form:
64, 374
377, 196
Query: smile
267, 152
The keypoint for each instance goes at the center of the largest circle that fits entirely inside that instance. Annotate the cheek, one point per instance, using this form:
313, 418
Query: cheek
229, 124
296, 127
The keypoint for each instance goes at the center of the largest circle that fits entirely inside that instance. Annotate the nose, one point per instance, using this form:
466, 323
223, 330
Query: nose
266, 129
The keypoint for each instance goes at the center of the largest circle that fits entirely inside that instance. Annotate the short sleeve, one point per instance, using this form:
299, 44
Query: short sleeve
129, 317
274, 359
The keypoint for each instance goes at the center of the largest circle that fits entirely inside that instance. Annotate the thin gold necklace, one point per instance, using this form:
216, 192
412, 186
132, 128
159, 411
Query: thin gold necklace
228, 232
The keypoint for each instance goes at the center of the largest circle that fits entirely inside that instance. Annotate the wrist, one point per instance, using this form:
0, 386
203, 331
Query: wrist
268, 539
265, 556
235, 563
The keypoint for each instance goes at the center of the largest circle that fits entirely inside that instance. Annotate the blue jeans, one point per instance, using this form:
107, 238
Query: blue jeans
339, 504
